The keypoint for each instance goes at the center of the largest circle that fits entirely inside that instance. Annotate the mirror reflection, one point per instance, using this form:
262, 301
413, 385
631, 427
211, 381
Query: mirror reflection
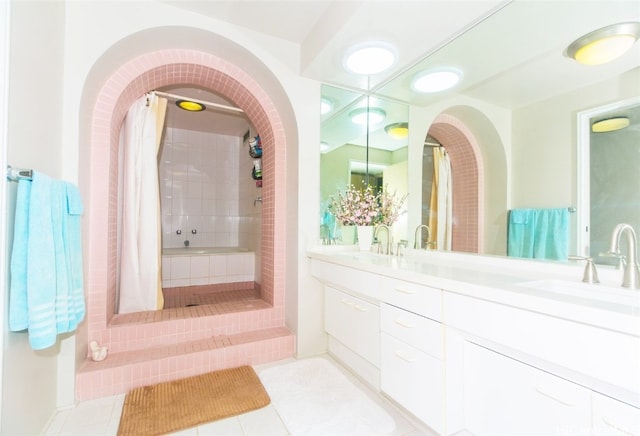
509, 129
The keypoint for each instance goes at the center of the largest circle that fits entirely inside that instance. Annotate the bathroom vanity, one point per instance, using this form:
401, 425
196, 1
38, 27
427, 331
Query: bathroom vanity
485, 344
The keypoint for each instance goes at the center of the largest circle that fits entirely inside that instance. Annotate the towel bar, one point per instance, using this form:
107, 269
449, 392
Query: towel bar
15, 174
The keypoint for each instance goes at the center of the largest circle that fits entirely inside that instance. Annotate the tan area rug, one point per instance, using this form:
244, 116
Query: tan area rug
179, 404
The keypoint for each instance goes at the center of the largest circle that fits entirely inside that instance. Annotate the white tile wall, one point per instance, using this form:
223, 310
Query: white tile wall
206, 185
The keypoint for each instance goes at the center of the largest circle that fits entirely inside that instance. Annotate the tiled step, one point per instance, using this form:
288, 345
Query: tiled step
123, 371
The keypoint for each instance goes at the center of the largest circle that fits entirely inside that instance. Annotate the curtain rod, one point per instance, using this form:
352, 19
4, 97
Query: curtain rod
206, 103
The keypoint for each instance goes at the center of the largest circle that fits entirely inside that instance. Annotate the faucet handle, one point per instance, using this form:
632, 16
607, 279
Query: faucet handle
622, 259
590, 274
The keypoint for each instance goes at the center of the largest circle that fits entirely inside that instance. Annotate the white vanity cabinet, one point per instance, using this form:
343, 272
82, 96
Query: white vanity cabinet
503, 396
411, 369
354, 322
614, 418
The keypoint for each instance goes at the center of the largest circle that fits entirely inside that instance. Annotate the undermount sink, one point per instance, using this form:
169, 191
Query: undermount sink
627, 297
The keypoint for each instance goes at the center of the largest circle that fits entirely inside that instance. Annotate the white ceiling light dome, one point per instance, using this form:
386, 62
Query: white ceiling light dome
370, 58
436, 80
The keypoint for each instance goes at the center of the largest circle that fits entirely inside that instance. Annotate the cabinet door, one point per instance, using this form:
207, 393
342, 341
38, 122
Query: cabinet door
503, 396
414, 380
614, 418
354, 322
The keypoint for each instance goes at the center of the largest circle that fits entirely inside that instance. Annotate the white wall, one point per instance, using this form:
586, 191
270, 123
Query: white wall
29, 378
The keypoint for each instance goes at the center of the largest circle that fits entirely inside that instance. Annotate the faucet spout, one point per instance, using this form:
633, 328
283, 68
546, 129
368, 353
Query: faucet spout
378, 228
631, 274
418, 241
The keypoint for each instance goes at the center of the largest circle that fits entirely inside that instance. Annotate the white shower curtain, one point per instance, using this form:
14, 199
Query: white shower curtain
140, 286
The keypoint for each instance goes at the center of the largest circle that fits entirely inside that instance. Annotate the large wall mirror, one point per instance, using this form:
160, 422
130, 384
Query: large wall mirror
510, 127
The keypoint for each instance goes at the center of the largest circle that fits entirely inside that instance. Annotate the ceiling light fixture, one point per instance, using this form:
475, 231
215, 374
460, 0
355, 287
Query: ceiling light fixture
605, 44
375, 114
324, 146
397, 130
370, 58
610, 124
190, 106
436, 80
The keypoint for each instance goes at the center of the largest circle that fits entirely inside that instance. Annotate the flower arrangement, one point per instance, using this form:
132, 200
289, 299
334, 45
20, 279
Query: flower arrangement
365, 207
390, 206
356, 207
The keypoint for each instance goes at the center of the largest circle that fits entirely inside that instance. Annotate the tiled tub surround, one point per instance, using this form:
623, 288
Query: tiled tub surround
153, 350
194, 266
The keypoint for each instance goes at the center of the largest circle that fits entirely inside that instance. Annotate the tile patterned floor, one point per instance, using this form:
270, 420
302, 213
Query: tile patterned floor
101, 417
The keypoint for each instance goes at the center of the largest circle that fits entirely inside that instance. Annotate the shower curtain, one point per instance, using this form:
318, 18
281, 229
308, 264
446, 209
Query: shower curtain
140, 284
441, 204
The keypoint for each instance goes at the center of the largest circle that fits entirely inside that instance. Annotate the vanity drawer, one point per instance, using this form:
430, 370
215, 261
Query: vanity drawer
413, 297
415, 330
414, 380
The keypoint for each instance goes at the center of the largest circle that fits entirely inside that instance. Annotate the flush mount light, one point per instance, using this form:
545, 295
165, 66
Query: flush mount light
605, 44
190, 106
610, 124
370, 58
326, 106
397, 130
359, 115
324, 146
436, 80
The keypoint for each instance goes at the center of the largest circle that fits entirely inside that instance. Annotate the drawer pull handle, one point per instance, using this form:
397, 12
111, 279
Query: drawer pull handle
401, 355
621, 430
361, 308
405, 291
403, 323
554, 398
347, 302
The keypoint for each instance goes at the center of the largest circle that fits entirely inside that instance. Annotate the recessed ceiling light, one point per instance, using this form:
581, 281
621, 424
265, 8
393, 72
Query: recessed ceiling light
610, 124
397, 130
190, 106
370, 58
605, 44
375, 115
326, 106
436, 80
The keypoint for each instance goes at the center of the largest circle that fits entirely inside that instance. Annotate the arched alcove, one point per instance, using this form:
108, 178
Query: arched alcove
123, 83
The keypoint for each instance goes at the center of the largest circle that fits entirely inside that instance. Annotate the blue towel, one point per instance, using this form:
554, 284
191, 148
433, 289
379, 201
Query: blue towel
46, 293
538, 233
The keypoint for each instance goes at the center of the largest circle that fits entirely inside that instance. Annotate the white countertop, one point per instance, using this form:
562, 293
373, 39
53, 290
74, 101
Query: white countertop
536, 286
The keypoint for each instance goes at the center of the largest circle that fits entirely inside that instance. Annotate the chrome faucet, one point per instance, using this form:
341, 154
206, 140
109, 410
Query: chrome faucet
631, 273
375, 235
418, 242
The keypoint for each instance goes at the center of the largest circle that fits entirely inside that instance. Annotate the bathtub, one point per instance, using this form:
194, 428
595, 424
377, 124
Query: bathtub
197, 251
195, 266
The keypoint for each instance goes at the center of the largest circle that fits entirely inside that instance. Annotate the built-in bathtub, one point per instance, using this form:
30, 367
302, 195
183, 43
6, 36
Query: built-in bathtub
195, 266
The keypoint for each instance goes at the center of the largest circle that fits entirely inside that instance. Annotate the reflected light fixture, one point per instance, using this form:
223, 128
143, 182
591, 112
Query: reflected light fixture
605, 44
436, 80
397, 130
610, 124
370, 58
324, 146
359, 115
326, 106
190, 106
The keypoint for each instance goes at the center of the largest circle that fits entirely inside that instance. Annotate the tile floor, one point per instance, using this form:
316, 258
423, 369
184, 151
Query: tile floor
101, 417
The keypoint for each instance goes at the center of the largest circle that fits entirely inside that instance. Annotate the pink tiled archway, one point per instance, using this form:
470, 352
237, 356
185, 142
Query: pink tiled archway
467, 170
129, 82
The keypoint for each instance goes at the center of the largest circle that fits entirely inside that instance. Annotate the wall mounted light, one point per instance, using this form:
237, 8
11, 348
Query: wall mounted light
370, 58
610, 124
190, 106
375, 114
397, 130
605, 44
436, 80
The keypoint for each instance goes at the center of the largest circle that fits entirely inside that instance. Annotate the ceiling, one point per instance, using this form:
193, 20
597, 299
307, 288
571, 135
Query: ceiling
511, 57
